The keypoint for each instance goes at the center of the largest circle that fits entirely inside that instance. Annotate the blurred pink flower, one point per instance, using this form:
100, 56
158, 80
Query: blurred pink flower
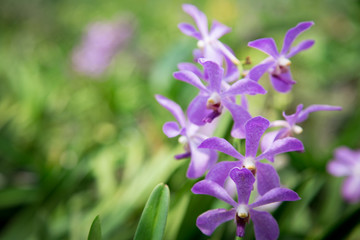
101, 42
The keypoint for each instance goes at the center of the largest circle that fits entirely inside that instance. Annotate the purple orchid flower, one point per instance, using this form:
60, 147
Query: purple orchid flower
209, 45
191, 136
278, 64
265, 225
102, 41
289, 127
347, 163
217, 95
266, 174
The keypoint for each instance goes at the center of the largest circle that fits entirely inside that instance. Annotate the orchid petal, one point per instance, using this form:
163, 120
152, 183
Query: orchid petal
267, 140
293, 118
173, 108
191, 78
213, 73
232, 71
276, 195
218, 30
221, 145
256, 72
240, 116
213, 54
245, 86
254, 129
315, 108
339, 169
220, 171
302, 46
189, 30
244, 181
292, 34
266, 45
199, 18
192, 68
201, 160
197, 110
210, 220
351, 189
265, 225
171, 129
288, 144
211, 188
267, 178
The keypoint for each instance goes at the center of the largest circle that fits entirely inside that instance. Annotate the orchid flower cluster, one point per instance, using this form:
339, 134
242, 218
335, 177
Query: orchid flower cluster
220, 81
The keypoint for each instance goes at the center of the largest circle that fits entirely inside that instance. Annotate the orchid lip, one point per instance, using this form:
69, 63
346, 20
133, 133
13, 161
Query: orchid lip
214, 101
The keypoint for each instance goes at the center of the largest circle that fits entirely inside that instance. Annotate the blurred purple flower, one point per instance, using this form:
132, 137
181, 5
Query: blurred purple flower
218, 94
278, 64
265, 225
289, 127
347, 163
265, 173
102, 41
209, 45
191, 136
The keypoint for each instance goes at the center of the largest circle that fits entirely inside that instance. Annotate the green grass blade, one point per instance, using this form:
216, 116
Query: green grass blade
153, 219
95, 230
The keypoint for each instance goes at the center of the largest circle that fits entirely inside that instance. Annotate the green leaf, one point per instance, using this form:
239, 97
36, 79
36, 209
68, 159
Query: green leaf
95, 230
153, 219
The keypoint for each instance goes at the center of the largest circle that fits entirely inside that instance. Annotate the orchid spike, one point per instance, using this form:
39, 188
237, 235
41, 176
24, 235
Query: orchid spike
191, 136
278, 64
265, 225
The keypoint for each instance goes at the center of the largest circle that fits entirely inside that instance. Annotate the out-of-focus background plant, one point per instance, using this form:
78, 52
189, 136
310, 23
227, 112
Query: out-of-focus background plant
78, 143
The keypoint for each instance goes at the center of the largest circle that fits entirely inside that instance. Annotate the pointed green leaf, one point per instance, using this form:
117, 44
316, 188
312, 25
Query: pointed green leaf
153, 219
95, 230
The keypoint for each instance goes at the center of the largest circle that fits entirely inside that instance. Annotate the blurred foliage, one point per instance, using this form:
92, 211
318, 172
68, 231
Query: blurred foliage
73, 147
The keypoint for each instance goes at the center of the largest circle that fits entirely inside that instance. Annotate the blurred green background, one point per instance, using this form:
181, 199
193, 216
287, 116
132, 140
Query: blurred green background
73, 147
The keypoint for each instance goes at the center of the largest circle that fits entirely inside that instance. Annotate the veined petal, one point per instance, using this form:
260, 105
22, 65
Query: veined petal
244, 181
276, 195
292, 34
192, 68
240, 116
197, 110
198, 16
191, 78
210, 220
267, 178
211, 188
288, 144
266, 45
265, 225
173, 108
220, 171
315, 108
254, 129
218, 30
189, 30
171, 129
351, 189
256, 72
201, 160
221, 145
283, 82
214, 74
245, 86
303, 45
